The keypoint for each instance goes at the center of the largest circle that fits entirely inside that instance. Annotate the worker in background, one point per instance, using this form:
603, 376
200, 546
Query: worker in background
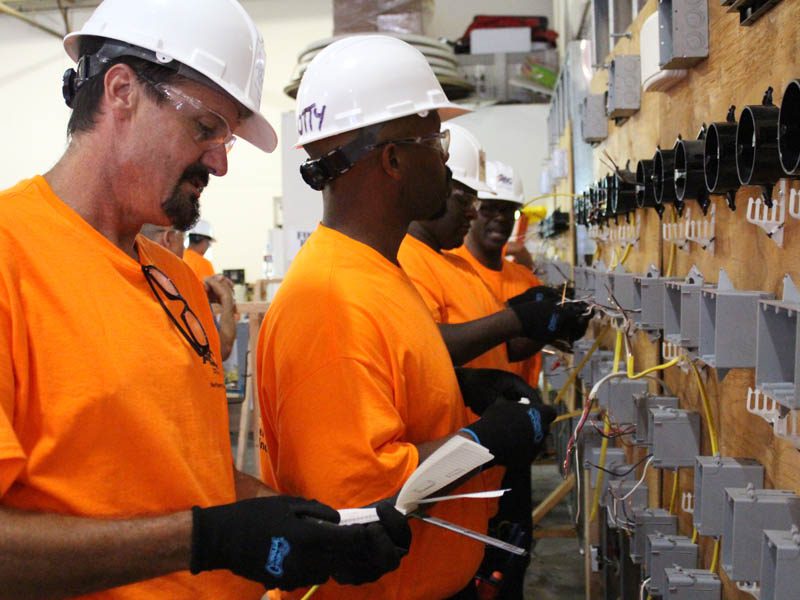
356, 385
219, 288
480, 331
116, 476
201, 237
484, 243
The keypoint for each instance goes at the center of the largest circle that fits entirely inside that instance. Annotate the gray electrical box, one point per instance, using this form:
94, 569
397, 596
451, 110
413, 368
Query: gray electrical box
599, 365
692, 584
642, 404
748, 512
594, 124
625, 290
690, 314
624, 86
665, 551
728, 319
672, 311
682, 33
651, 294
615, 462
647, 521
579, 276
620, 512
676, 437
682, 310
616, 396
712, 474
780, 564
777, 357
603, 287
555, 371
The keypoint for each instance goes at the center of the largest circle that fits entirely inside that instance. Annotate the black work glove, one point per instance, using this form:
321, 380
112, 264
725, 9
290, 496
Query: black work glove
286, 542
537, 293
547, 321
573, 320
514, 433
480, 388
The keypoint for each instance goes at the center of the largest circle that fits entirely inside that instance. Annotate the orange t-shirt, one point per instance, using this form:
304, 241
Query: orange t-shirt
105, 410
453, 293
352, 375
513, 279
201, 266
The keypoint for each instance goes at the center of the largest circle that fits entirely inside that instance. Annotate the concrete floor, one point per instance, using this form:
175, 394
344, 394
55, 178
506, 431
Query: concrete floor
556, 569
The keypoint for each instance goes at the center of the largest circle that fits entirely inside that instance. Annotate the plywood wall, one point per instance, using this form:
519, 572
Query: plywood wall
743, 62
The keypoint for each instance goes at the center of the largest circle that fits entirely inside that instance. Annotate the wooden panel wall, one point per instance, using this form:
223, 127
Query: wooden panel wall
742, 63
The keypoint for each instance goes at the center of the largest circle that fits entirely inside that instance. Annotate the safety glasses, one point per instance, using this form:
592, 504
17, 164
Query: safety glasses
438, 140
189, 324
465, 200
493, 208
207, 127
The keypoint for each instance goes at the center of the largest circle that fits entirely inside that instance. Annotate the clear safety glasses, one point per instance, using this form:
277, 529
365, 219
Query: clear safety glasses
207, 127
439, 140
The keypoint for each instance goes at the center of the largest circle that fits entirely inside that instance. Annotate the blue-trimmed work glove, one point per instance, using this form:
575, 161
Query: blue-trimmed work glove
514, 433
286, 542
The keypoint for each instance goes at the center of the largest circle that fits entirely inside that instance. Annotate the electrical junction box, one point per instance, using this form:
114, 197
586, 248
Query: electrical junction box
599, 365
727, 331
625, 292
555, 371
589, 437
777, 356
624, 86
580, 275
594, 122
748, 512
616, 396
620, 512
676, 437
642, 403
647, 521
682, 310
603, 288
665, 551
683, 33
692, 584
556, 272
615, 462
651, 294
712, 474
780, 564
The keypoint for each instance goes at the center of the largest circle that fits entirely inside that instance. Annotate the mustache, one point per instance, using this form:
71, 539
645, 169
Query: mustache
196, 173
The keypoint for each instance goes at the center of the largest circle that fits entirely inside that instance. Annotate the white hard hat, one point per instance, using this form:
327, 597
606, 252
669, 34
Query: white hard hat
467, 160
216, 38
203, 228
505, 183
363, 80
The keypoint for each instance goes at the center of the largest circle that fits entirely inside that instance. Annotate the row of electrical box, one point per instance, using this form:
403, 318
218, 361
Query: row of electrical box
719, 325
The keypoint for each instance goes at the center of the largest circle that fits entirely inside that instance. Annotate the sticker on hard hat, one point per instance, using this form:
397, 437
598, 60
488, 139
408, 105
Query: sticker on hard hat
310, 119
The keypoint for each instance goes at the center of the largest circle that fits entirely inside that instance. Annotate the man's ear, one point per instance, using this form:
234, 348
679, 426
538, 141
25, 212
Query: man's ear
390, 161
121, 93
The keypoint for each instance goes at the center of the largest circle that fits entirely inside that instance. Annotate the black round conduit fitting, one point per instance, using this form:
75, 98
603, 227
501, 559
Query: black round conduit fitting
690, 179
581, 209
789, 129
623, 195
607, 188
593, 211
757, 159
720, 159
645, 197
663, 177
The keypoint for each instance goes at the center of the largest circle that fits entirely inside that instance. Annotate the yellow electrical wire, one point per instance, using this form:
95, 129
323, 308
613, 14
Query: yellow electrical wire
626, 254
672, 251
614, 260
715, 557
574, 413
694, 535
633, 375
712, 432
617, 350
576, 371
601, 463
674, 497
310, 592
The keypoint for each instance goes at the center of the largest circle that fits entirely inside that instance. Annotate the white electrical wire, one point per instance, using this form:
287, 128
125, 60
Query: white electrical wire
638, 483
641, 589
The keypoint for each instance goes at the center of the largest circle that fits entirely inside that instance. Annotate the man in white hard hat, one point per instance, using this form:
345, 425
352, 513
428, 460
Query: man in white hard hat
116, 478
201, 236
356, 385
483, 332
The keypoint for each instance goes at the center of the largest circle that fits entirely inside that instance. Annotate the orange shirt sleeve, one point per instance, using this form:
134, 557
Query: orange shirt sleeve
340, 435
423, 278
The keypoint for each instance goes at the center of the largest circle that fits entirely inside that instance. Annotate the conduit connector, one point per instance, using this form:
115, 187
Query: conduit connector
663, 177
689, 178
789, 129
719, 155
757, 159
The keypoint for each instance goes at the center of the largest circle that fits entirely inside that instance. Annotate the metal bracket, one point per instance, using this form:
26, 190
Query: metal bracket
770, 219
